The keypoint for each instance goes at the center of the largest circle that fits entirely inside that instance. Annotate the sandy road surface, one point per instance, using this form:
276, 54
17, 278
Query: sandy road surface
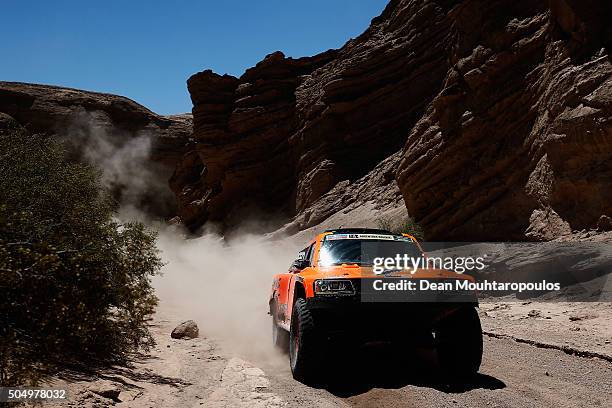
200, 372
512, 375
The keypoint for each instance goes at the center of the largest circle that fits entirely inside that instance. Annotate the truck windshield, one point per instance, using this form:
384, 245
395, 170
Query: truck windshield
363, 251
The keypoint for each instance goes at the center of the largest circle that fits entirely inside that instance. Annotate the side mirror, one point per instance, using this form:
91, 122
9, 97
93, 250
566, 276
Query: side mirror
300, 264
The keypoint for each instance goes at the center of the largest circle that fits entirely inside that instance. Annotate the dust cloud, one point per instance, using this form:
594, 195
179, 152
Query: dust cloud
224, 286
139, 184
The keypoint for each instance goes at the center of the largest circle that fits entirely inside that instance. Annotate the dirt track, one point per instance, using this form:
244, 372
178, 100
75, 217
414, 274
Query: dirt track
512, 375
199, 372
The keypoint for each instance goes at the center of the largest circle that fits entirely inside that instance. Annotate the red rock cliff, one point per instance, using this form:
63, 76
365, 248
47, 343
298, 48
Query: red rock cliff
518, 143
82, 116
491, 117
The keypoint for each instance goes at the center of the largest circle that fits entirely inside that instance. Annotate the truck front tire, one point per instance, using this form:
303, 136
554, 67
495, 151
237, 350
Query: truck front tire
304, 340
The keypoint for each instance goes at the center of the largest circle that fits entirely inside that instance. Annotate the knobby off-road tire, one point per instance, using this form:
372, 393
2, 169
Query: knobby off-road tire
458, 340
280, 336
304, 341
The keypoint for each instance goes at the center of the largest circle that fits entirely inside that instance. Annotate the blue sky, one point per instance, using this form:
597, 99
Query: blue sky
146, 50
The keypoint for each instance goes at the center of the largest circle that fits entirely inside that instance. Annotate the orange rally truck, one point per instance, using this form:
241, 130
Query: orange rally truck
332, 295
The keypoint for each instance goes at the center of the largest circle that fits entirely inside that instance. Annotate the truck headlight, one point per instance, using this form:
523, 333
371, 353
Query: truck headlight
334, 287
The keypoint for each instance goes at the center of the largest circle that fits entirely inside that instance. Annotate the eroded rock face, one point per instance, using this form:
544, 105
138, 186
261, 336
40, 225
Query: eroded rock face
289, 131
52, 109
501, 111
96, 122
518, 143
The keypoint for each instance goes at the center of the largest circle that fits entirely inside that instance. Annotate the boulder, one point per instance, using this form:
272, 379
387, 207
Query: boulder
6, 121
186, 330
106, 389
604, 223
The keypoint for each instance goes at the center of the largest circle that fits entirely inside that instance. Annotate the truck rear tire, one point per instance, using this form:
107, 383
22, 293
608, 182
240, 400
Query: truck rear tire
458, 340
304, 341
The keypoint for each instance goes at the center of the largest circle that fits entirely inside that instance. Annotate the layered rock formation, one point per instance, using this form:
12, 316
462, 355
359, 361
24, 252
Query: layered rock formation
518, 143
288, 131
56, 110
101, 126
492, 118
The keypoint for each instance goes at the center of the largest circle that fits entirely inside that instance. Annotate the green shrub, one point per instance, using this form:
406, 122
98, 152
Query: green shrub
75, 284
405, 225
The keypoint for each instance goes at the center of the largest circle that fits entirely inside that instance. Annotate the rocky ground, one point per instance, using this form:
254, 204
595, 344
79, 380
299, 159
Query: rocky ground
535, 354
577, 328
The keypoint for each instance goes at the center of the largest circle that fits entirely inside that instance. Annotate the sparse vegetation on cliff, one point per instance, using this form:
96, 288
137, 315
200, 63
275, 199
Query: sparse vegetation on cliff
405, 225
